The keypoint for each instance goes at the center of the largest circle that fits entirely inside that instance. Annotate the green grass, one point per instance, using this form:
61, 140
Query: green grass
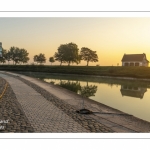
118, 71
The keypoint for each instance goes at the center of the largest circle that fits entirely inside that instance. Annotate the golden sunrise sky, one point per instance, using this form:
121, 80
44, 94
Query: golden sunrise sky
111, 37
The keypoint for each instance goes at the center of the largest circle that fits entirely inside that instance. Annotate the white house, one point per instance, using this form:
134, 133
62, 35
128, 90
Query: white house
135, 60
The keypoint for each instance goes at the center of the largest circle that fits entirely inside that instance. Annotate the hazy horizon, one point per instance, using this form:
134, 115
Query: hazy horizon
110, 37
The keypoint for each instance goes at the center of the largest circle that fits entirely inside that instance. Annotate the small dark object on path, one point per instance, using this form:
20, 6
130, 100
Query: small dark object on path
84, 111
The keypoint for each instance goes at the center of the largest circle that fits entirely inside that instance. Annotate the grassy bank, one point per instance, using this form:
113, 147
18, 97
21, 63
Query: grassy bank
116, 71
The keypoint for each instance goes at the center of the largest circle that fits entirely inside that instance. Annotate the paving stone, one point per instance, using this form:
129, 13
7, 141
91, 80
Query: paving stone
12, 111
35, 107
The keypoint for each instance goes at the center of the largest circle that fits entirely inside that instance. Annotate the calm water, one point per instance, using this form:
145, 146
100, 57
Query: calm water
129, 96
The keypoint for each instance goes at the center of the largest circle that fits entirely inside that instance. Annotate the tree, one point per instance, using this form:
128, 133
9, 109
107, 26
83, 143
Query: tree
12, 53
79, 59
51, 59
8, 56
67, 53
23, 56
60, 55
3, 58
17, 55
35, 58
39, 58
88, 55
71, 53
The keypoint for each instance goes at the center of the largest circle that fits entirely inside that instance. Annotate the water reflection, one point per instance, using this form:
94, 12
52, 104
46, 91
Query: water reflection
70, 85
130, 90
117, 93
88, 91
52, 82
133, 91
75, 86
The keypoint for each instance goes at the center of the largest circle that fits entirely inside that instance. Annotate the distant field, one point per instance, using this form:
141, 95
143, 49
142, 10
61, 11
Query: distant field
117, 71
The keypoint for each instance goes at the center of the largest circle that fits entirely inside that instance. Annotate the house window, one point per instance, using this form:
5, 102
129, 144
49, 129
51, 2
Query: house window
131, 64
137, 64
126, 64
130, 87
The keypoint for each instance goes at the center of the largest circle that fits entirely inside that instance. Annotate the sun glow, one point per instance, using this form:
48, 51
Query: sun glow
109, 37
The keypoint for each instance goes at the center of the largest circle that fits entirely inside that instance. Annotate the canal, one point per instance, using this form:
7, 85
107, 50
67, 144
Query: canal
129, 96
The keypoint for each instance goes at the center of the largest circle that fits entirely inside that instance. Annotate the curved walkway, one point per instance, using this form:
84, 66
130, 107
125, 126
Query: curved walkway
42, 114
53, 109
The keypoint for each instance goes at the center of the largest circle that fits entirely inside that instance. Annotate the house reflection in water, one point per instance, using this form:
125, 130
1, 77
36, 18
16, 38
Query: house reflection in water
137, 92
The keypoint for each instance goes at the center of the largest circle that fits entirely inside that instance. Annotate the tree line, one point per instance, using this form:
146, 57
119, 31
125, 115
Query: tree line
69, 53
15, 54
66, 53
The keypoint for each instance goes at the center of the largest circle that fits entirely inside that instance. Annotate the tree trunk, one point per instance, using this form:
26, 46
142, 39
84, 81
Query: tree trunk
69, 63
87, 63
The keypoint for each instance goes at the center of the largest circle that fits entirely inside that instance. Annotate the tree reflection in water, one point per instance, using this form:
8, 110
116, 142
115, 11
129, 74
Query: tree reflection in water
52, 82
70, 85
85, 91
88, 90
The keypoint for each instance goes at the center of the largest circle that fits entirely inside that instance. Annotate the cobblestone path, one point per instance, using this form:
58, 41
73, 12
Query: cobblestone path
12, 117
43, 107
41, 113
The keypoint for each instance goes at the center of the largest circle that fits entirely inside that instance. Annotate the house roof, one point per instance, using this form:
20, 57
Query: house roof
134, 57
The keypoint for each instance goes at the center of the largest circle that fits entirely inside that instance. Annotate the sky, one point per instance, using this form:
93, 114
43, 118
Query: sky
110, 37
